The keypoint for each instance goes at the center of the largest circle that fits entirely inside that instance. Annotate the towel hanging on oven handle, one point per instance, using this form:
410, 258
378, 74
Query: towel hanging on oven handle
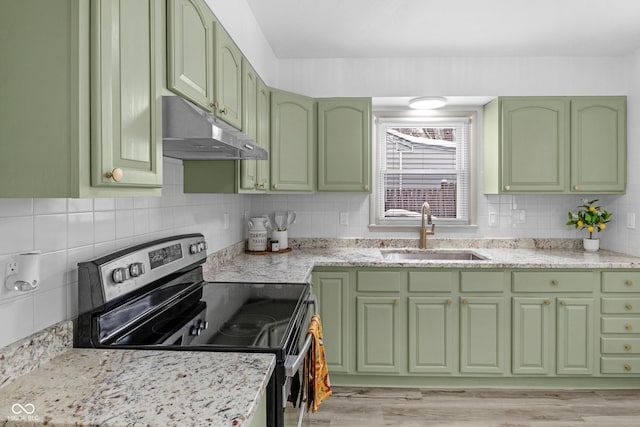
292, 363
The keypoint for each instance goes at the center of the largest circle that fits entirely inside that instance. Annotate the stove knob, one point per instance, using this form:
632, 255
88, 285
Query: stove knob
119, 275
194, 331
136, 269
202, 324
202, 246
193, 249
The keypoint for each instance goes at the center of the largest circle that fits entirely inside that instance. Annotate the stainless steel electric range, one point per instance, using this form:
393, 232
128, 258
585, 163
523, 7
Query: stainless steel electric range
153, 296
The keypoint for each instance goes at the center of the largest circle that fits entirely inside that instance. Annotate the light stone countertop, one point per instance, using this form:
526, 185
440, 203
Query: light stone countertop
133, 387
296, 266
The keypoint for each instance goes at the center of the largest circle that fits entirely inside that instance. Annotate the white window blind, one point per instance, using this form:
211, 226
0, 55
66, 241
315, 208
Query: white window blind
419, 160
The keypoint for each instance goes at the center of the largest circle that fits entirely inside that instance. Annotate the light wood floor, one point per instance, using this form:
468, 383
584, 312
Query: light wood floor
374, 407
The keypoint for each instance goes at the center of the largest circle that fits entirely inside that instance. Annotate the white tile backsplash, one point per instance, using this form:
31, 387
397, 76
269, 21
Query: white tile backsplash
68, 231
16, 234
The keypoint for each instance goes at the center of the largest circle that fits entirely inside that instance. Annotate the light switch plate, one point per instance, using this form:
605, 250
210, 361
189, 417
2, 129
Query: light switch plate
226, 221
493, 219
344, 218
631, 220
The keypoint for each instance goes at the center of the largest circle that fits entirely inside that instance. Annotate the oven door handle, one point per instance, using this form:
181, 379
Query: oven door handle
292, 363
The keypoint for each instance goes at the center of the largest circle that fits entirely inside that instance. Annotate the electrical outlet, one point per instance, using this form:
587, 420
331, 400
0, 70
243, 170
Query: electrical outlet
12, 268
493, 219
344, 218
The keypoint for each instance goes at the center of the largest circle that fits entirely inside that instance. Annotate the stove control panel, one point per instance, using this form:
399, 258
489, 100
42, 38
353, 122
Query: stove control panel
144, 264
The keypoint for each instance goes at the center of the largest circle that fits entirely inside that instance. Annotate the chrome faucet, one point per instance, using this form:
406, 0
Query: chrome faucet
423, 229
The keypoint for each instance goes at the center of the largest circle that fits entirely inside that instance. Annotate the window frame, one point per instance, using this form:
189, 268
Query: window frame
380, 120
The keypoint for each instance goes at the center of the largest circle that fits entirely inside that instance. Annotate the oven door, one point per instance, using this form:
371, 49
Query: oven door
295, 414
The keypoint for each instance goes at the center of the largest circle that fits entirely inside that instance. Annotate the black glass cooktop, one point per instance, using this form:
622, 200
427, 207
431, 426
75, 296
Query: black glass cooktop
233, 315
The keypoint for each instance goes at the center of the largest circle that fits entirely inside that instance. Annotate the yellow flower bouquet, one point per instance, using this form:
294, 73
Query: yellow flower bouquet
589, 216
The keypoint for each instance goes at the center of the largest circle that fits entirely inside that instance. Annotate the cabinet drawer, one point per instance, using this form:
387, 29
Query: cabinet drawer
620, 325
482, 281
620, 305
541, 281
432, 281
378, 281
620, 365
623, 281
620, 345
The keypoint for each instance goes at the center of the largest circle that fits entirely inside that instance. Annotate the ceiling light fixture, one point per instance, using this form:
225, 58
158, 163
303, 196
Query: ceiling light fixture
427, 103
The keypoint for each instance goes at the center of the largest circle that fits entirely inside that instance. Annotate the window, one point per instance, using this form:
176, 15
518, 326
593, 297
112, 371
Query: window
423, 159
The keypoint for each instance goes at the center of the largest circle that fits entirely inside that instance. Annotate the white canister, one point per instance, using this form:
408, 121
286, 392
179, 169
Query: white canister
257, 239
281, 237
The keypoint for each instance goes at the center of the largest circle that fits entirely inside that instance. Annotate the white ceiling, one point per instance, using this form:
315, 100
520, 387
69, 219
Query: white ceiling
426, 28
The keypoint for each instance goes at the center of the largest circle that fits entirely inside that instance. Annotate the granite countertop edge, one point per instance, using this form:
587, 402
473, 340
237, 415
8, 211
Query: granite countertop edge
90, 387
296, 266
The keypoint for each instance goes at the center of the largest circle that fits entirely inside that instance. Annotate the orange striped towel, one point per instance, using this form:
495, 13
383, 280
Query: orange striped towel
316, 373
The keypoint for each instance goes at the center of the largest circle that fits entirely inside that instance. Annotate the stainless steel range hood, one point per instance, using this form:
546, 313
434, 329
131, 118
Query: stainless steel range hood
190, 133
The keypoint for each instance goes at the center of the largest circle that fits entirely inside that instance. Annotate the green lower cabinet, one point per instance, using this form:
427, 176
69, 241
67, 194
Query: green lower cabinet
378, 331
575, 336
332, 291
532, 336
432, 332
482, 335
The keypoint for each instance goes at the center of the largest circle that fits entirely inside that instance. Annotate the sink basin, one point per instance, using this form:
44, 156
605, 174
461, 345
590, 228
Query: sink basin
433, 255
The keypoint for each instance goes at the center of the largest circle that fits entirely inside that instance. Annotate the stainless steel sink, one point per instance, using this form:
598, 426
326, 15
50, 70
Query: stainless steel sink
432, 255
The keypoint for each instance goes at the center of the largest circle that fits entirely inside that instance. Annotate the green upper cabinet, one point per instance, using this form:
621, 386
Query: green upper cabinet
292, 142
94, 69
344, 144
126, 107
263, 134
254, 174
190, 51
531, 138
555, 145
228, 78
598, 144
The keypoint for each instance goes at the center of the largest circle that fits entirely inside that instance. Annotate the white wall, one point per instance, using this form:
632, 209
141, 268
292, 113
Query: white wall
236, 17
71, 230
621, 238
455, 76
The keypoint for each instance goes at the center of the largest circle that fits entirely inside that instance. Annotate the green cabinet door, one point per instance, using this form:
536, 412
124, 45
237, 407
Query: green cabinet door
292, 142
126, 106
432, 335
535, 144
332, 290
598, 144
378, 334
228, 78
575, 336
263, 134
532, 335
93, 70
248, 168
190, 51
482, 335
344, 144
